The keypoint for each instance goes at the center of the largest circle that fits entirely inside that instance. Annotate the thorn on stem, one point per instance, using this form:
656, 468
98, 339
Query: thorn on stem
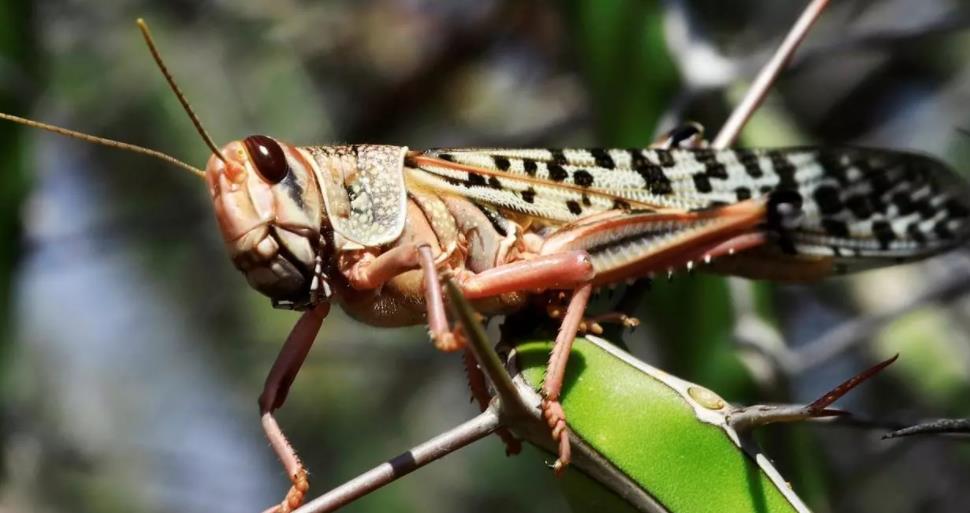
833, 395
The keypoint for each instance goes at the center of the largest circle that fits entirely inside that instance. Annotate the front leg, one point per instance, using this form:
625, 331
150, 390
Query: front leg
281, 375
369, 272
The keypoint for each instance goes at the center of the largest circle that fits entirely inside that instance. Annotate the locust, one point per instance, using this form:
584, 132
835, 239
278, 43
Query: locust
371, 227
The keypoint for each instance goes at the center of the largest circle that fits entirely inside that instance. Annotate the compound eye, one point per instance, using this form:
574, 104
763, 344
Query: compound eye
268, 157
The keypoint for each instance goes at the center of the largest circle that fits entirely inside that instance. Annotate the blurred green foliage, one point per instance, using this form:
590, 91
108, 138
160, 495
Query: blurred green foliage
18, 57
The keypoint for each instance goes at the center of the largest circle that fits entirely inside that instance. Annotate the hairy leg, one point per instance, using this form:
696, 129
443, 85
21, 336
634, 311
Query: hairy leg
277, 385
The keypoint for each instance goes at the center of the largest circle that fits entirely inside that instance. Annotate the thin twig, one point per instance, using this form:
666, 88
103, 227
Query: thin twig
756, 94
748, 417
749, 326
488, 359
393, 469
960, 427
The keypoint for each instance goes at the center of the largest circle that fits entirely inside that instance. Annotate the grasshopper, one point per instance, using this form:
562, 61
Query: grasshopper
370, 227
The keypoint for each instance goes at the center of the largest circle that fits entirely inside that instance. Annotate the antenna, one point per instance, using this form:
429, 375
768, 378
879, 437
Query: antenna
104, 142
175, 89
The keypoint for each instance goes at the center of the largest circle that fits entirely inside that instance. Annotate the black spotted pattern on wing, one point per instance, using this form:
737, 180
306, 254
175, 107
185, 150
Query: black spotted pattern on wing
831, 162
835, 228
828, 199
914, 232
942, 230
557, 173
529, 195
860, 204
654, 179
784, 169
716, 170
890, 205
665, 158
558, 157
582, 178
574, 207
702, 183
530, 167
750, 161
603, 158
884, 233
476, 180
713, 170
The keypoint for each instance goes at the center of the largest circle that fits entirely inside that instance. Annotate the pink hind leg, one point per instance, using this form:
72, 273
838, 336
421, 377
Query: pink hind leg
555, 371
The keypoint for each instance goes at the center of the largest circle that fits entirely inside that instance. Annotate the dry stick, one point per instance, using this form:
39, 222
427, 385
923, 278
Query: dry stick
749, 327
748, 417
766, 78
385, 473
956, 427
511, 402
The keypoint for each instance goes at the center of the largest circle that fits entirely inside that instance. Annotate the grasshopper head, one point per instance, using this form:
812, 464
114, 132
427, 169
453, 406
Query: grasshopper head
267, 201
268, 206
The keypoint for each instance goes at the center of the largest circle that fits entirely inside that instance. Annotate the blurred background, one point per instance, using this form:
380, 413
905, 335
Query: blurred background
132, 353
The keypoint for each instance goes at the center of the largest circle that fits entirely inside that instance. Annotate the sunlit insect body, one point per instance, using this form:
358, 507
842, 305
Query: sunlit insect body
371, 227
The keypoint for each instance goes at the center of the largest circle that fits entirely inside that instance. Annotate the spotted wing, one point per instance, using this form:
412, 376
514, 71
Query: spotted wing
867, 207
856, 204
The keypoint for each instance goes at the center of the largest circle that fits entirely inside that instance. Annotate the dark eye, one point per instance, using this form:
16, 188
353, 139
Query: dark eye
268, 157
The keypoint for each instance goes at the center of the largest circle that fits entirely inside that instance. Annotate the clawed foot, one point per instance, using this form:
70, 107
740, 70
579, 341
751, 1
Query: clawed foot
555, 418
449, 341
594, 325
294, 497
